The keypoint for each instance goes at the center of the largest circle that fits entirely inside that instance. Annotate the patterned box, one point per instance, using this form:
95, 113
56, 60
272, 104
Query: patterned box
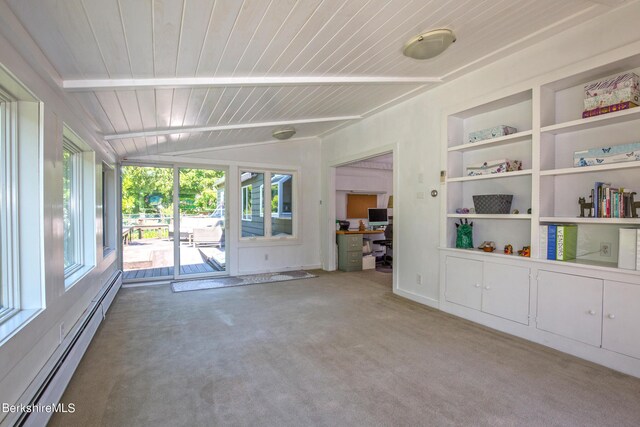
613, 154
489, 133
612, 94
494, 166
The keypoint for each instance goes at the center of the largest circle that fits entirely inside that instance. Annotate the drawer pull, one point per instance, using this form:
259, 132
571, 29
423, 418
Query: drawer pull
611, 316
592, 312
477, 285
487, 287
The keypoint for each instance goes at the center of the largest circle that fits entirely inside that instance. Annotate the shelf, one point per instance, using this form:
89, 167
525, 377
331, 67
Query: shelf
494, 142
578, 220
587, 169
490, 216
595, 265
492, 176
594, 122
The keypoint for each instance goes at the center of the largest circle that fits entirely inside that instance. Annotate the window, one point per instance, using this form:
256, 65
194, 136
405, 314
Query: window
246, 203
270, 216
71, 208
9, 283
108, 209
78, 207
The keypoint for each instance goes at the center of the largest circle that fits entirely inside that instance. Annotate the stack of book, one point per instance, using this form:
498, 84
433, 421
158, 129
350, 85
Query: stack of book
558, 241
629, 249
610, 202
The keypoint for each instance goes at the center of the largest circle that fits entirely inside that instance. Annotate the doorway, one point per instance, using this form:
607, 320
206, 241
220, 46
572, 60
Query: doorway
173, 216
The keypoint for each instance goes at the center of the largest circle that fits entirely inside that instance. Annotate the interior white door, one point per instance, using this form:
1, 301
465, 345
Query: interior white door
570, 306
505, 291
464, 282
620, 331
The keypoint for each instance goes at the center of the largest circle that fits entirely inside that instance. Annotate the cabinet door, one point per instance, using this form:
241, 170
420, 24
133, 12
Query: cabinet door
464, 282
506, 291
570, 306
620, 331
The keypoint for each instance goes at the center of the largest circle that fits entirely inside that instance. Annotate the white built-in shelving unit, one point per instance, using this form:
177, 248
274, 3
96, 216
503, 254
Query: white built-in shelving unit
550, 129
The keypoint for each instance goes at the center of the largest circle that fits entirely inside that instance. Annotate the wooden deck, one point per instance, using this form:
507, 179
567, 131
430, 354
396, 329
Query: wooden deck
150, 273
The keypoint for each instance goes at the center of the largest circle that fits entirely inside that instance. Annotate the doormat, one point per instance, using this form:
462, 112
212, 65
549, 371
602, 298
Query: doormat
227, 282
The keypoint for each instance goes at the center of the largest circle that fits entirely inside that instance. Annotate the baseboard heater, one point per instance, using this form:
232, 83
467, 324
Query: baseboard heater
58, 371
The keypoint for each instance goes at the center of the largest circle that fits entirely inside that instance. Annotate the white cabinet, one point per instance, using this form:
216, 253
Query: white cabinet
505, 291
497, 289
621, 322
570, 306
464, 282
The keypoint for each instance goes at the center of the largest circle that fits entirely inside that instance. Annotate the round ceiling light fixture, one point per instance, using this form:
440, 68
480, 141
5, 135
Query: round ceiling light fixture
284, 133
429, 44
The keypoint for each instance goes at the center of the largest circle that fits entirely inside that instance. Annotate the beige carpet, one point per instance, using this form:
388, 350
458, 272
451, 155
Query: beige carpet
337, 350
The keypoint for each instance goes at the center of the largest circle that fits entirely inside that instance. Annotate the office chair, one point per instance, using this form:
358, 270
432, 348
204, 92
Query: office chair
387, 243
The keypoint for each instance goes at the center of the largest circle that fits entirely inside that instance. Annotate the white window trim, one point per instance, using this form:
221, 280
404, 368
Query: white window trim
76, 208
262, 201
247, 189
108, 210
9, 226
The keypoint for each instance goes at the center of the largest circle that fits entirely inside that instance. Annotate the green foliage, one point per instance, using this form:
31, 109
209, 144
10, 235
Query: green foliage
149, 190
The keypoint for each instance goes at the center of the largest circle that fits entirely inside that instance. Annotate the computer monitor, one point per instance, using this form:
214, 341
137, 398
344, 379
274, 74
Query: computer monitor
378, 217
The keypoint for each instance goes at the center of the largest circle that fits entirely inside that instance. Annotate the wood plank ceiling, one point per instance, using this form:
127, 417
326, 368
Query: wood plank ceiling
96, 40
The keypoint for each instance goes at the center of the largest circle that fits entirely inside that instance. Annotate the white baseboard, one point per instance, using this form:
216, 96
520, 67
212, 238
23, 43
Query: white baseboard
53, 378
434, 303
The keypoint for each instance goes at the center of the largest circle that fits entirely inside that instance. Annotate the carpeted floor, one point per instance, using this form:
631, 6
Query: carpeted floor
337, 350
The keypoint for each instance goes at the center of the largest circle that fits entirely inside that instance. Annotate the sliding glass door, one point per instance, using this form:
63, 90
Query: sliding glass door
173, 216
202, 221
147, 222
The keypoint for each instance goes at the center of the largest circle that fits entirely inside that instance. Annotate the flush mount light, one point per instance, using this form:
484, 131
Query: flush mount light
284, 133
429, 44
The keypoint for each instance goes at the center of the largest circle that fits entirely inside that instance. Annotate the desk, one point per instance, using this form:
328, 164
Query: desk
350, 248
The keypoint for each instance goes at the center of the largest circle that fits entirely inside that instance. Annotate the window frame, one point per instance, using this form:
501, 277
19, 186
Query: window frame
108, 209
76, 205
265, 193
10, 303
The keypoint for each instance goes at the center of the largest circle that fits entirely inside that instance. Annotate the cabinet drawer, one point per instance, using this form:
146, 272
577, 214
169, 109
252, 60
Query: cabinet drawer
353, 242
570, 306
351, 261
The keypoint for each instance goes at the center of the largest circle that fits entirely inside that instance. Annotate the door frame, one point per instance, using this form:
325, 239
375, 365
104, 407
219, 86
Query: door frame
175, 166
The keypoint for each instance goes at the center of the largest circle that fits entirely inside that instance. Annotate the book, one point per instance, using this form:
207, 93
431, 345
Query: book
542, 248
628, 248
551, 242
566, 242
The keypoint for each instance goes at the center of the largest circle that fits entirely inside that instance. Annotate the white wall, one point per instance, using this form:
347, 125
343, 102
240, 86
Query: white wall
23, 354
360, 180
300, 156
414, 129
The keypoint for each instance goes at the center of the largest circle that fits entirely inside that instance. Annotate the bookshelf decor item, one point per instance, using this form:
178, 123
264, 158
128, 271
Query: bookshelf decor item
607, 155
492, 203
489, 133
586, 206
494, 166
617, 93
464, 236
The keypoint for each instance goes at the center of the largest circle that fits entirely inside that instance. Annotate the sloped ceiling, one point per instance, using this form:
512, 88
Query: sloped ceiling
163, 76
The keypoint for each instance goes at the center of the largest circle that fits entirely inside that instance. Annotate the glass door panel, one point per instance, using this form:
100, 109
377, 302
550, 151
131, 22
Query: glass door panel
202, 221
147, 222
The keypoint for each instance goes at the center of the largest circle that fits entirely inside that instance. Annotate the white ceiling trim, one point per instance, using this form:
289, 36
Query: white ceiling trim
200, 129
209, 82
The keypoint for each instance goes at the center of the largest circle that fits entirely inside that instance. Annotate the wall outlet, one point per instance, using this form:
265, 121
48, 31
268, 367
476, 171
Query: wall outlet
419, 279
605, 249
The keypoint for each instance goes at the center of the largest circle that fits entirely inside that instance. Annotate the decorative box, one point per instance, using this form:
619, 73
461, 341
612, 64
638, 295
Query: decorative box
613, 154
606, 96
489, 133
494, 166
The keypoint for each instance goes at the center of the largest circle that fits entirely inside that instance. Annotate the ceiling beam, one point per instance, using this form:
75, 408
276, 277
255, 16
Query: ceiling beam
181, 130
195, 82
